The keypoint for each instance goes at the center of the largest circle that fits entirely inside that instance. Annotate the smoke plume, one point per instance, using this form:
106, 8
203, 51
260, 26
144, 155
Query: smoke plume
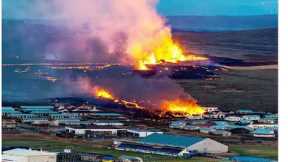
108, 29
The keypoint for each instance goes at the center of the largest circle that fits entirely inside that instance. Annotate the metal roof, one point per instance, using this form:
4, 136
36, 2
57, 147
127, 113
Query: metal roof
24, 152
245, 110
171, 140
106, 114
263, 131
42, 111
9, 110
37, 107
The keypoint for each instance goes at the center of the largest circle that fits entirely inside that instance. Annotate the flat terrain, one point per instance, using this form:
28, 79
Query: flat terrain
250, 88
248, 45
50, 143
53, 143
267, 151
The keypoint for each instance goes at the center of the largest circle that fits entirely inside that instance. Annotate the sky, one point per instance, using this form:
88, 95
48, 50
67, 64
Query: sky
218, 7
22, 8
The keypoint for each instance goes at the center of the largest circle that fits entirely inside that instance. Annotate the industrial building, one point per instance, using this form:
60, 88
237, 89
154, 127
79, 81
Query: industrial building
251, 117
23, 155
141, 132
172, 145
263, 132
232, 118
69, 156
7, 111
95, 130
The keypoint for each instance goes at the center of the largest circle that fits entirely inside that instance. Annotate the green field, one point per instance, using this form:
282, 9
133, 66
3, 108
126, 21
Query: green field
59, 146
237, 89
265, 151
260, 150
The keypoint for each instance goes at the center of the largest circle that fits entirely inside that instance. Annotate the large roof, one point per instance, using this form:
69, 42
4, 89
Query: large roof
24, 152
171, 140
263, 131
37, 107
9, 110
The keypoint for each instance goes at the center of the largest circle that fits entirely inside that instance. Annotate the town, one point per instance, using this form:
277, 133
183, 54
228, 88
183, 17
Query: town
206, 135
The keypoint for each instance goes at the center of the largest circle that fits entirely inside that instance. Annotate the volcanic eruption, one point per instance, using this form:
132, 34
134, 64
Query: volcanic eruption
182, 107
159, 49
129, 33
102, 93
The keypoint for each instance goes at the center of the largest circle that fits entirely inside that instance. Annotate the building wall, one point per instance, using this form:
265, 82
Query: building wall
83, 131
44, 158
17, 158
141, 133
11, 158
208, 146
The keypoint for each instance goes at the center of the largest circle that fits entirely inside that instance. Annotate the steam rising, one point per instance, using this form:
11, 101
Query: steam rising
150, 92
110, 31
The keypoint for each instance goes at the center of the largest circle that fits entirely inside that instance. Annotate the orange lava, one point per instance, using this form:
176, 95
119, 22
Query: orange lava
102, 93
182, 107
158, 50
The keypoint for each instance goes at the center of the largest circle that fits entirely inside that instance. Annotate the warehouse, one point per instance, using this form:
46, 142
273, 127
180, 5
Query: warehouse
41, 111
263, 132
141, 132
23, 155
95, 130
7, 111
172, 145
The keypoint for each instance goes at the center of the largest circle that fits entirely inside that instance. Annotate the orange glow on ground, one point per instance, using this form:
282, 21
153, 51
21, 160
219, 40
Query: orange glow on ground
102, 93
161, 48
184, 107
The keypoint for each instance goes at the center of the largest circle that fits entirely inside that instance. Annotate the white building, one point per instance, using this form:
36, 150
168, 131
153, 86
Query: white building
270, 126
178, 124
82, 130
23, 155
172, 145
263, 132
232, 118
250, 117
215, 115
108, 123
141, 132
211, 109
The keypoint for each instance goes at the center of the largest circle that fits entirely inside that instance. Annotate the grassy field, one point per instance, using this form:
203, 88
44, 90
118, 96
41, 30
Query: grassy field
268, 151
256, 150
236, 89
51, 145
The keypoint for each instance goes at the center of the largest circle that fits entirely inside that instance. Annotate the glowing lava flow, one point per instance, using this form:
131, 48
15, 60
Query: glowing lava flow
102, 93
177, 107
105, 94
182, 107
158, 50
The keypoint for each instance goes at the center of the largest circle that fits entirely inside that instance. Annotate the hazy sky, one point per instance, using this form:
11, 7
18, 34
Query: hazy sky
22, 8
218, 7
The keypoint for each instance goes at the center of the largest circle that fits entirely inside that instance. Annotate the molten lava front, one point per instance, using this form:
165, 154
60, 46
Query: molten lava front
102, 93
176, 107
182, 107
160, 49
